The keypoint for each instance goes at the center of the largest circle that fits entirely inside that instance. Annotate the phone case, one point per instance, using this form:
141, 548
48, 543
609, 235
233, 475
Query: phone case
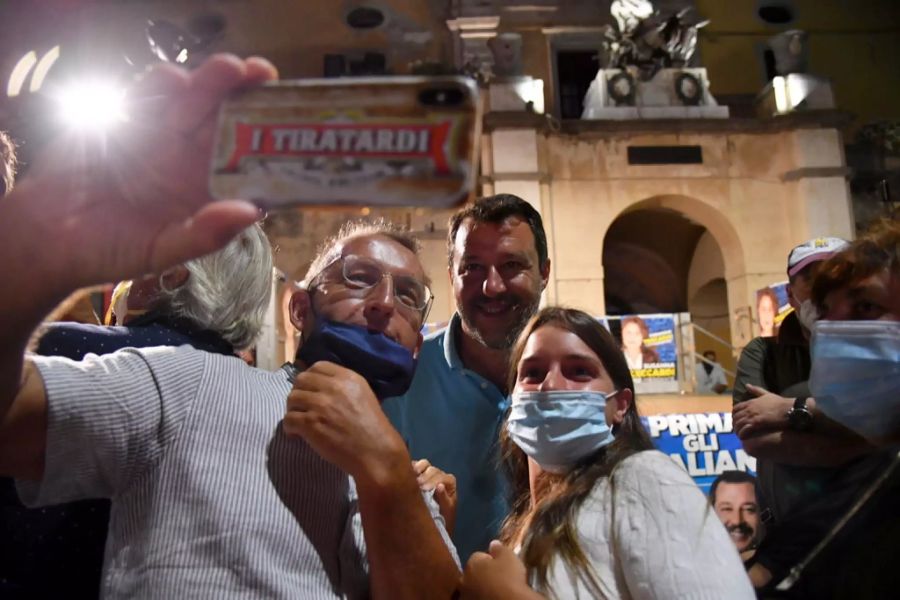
385, 141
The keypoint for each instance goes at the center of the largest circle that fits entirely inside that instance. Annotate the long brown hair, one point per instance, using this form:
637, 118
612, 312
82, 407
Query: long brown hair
552, 529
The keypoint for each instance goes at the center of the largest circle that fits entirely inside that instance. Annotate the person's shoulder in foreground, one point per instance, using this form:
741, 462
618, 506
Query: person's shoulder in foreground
672, 544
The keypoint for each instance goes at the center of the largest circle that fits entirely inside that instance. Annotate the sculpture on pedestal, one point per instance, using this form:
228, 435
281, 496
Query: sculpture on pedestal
648, 40
646, 72
790, 51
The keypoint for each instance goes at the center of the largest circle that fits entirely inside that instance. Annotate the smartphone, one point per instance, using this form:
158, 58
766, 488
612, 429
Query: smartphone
374, 141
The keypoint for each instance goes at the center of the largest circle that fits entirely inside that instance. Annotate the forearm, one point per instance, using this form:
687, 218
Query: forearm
23, 429
825, 426
11, 367
34, 283
407, 555
806, 449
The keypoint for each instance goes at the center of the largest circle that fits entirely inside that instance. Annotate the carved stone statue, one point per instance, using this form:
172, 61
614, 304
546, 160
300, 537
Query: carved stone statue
791, 51
507, 51
648, 40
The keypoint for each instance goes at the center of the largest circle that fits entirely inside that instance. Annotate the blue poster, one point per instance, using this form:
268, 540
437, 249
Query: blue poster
772, 306
648, 342
703, 444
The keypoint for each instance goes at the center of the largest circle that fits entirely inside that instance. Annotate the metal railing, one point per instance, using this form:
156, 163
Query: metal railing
688, 331
731, 349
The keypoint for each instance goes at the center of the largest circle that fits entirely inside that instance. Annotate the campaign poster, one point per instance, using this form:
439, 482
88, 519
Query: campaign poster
772, 306
648, 342
703, 444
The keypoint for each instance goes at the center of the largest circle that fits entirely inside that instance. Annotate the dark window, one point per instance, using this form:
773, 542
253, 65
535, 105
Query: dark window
372, 63
335, 65
775, 13
365, 17
575, 69
665, 155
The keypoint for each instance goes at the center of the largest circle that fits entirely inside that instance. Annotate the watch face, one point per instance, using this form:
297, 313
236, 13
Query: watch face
800, 419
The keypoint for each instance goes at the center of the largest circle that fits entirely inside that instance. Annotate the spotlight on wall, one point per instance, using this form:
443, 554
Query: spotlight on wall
92, 105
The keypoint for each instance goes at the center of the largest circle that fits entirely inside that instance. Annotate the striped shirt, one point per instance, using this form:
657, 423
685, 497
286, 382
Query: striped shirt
210, 498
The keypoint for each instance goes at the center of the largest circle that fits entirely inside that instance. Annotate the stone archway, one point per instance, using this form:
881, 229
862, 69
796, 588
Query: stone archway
646, 259
704, 214
689, 244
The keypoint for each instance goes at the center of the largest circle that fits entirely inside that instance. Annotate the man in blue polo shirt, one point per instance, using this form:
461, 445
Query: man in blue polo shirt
451, 415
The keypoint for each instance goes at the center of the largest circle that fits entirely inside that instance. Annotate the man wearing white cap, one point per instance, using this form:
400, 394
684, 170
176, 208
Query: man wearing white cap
781, 365
797, 449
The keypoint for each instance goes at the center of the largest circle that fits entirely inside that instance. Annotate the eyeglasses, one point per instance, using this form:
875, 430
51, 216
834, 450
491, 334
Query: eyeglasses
364, 274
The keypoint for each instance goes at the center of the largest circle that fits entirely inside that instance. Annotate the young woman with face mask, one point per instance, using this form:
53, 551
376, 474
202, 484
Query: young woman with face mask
596, 513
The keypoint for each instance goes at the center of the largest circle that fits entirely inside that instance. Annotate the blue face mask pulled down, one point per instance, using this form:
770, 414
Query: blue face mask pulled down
559, 428
387, 366
855, 375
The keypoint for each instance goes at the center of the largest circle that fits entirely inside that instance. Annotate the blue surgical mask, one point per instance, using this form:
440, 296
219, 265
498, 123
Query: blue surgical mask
855, 375
387, 366
559, 428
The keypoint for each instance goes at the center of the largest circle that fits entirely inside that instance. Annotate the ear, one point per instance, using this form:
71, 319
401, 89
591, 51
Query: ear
300, 309
622, 401
545, 274
174, 277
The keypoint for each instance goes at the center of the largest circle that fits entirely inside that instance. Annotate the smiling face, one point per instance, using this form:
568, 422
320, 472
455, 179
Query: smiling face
378, 308
497, 279
738, 510
557, 359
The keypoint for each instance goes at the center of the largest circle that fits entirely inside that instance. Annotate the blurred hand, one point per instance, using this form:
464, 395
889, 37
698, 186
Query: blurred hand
336, 412
430, 478
497, 575
135, 201
765, 412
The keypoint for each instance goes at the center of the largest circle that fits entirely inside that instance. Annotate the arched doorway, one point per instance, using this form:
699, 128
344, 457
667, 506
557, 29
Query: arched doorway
647, 256
675, 254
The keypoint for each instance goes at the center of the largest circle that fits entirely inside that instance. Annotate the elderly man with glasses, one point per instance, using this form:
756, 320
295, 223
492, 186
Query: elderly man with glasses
226, 481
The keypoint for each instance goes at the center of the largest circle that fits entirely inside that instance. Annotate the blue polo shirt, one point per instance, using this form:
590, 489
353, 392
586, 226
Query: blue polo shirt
452, 417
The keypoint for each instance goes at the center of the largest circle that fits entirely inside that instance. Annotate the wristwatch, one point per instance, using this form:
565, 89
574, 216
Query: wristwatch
799, 417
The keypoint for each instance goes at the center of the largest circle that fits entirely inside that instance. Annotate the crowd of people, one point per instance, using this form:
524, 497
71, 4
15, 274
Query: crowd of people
502, 457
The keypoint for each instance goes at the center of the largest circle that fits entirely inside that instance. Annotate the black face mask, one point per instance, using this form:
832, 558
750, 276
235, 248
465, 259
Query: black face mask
387, 366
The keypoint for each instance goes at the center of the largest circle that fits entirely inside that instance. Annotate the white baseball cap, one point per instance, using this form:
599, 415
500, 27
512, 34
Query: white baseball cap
812, 251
